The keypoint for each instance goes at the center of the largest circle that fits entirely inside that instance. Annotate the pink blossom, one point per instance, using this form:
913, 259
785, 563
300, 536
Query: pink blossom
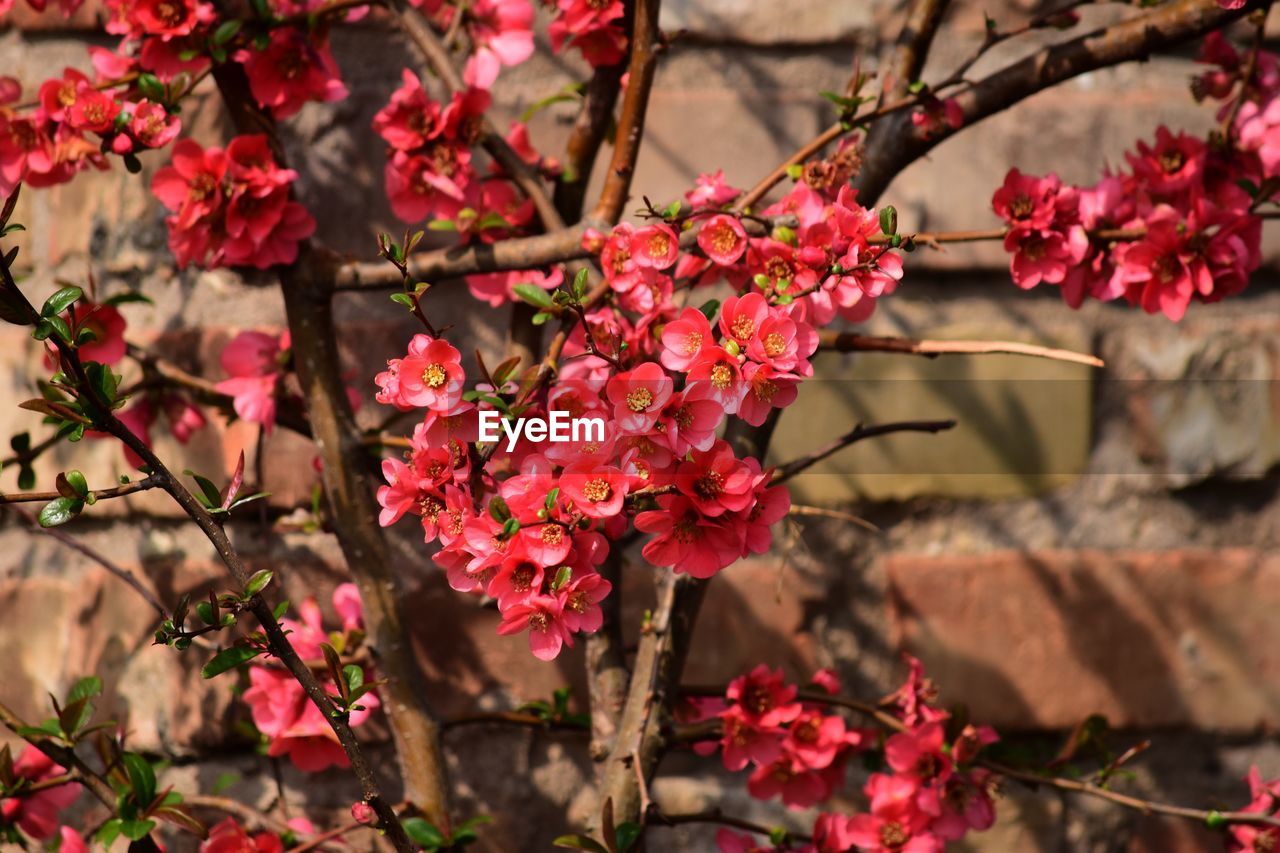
37, 814
252, 362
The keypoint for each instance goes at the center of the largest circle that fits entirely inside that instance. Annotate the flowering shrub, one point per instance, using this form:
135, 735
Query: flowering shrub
680, 337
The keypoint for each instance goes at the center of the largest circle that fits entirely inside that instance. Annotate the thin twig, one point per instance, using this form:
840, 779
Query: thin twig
98, 494
790, 469
850, 342
119, 571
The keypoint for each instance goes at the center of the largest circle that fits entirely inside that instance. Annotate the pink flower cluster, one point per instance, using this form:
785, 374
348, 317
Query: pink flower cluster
1179, 225
1264, 798
501, 34
75, 122
527, 524
928, 795
796, 749
254, 362
430, 172
231, 207
37, 813
281, 710
594, 27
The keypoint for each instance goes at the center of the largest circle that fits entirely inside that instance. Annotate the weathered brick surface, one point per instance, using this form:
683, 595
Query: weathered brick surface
1043, 639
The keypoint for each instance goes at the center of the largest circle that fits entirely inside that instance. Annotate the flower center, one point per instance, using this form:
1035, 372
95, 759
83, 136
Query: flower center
639, 399
721, 376
893, 834
1022, 207
1172, 161
434, 376
522, 577
551, 534
659, 245
709, 485
743, 327
774, 345
597, 490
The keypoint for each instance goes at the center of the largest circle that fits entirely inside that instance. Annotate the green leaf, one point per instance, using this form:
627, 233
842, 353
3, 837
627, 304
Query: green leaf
223, 782
563, 575
281, 609
86, 688
423, 833
889, 219
76, 480
136, 830
354, 676
510, 527
142, 780
228, 659
109, 832
60, 511
49, 728
442, 225
257, 582
26, 478
572, 92
126, 298
709, 308
404, 299
227, 31
534, 295
212, 496
1215, 820
498, 509
60, 301
794, 171
205, 611
540, 318
580, 842
626, 835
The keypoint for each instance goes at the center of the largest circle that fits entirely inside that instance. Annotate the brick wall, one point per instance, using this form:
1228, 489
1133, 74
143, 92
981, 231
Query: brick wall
1085, 541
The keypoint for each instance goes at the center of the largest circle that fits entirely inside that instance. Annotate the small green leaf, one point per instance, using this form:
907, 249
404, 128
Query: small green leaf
86, 688
510, 527
423, 833
205, 611
540, 318
580, 842
563, 575
228, 659
142, 780
77, 482
442, 225
127, 298
227, 31
498, 509
626, 835
354, 676
794, 171
109, 832
60, 511
136, 830
257, 582
1215, 820
404, 299
60, 301
211, 495
889, 219
534, 295
709, 308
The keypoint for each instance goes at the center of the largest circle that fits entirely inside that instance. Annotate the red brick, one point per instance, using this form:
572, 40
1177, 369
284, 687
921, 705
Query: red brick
1042, 639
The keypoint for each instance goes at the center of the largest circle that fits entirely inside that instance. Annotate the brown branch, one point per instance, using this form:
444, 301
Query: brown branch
656, 817
508, 718
641, 70
1135, 38
347, 469
660, 659
98, 494
790, 469
911, 49
247, 814
594, 115
518, 253
607, 663
849, 342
